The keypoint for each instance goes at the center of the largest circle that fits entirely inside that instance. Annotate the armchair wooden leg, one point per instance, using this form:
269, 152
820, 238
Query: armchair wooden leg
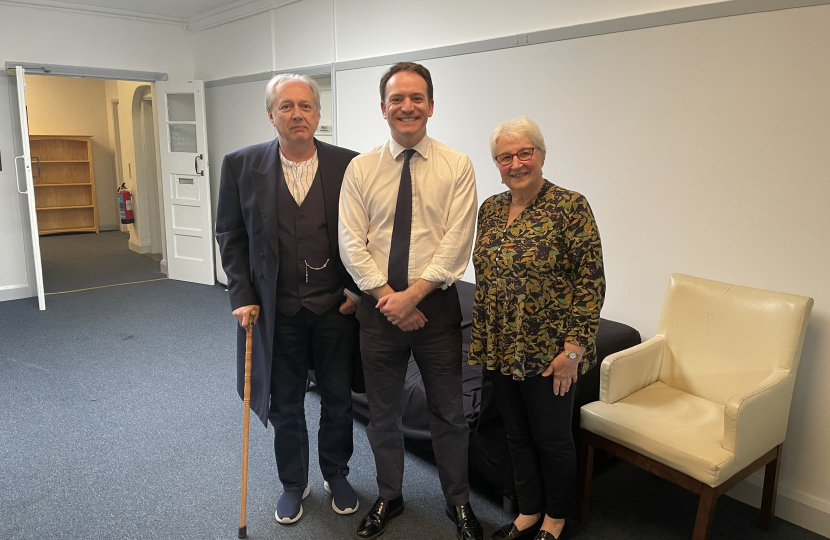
705, 512
586, 470
770, 490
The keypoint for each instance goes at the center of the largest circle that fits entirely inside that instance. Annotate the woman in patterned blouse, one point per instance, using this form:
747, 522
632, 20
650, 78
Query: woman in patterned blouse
539, 289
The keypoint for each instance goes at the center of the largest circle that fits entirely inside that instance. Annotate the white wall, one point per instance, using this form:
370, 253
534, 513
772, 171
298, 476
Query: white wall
365, 30
74, 39
318, 32
294, 36
67, 106
242, 47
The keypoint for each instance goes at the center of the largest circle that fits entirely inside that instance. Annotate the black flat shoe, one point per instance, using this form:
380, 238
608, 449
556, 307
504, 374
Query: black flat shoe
374, 523
545, 535
511, 532
467, 526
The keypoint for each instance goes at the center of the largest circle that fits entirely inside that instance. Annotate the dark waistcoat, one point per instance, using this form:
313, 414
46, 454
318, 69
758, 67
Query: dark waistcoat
304, 243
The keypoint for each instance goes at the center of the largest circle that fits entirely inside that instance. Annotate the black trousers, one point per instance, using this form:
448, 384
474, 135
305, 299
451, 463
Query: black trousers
437, 350
538, 425
330, 338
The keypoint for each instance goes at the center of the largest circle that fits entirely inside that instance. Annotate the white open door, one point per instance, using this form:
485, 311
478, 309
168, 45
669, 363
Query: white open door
185, 181
23, 170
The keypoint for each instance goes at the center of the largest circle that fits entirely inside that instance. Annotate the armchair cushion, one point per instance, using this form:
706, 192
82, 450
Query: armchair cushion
668, 425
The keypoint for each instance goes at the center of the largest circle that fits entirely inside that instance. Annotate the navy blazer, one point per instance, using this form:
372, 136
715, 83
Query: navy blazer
248, 236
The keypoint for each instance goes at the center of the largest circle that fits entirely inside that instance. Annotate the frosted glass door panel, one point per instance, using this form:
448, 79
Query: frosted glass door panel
181, 108
183, 138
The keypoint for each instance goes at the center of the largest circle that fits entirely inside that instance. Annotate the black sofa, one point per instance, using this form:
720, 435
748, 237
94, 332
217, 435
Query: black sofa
489, 460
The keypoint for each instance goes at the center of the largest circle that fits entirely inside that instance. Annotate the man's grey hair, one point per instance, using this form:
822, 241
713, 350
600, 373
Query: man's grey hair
283, 77
516, 127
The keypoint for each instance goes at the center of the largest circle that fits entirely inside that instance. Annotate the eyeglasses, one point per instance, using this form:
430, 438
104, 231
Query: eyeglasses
506, 159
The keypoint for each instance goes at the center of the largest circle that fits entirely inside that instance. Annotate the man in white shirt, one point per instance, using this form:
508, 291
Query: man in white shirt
407, 218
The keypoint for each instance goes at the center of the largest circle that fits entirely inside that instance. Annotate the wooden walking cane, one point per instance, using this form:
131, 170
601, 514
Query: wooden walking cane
246, 416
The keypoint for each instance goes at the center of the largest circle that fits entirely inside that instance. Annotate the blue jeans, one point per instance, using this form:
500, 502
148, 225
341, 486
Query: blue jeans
327, 340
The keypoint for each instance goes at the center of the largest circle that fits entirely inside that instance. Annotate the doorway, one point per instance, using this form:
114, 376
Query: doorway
90, 136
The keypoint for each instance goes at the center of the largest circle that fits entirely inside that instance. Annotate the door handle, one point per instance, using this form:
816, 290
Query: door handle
38, 166
17, 174
196, 164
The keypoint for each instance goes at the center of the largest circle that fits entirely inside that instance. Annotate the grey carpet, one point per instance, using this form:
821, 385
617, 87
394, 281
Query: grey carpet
81, 260
119, 419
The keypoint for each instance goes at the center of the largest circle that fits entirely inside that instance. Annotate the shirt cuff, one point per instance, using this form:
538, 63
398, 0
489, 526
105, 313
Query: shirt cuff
437, 274
354, 296
369, 283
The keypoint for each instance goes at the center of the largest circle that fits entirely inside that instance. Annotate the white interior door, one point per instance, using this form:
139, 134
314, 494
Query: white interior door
185, 181
23, 170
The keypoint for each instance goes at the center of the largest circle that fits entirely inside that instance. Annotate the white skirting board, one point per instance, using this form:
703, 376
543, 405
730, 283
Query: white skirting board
794, 506
15, 292
139, 248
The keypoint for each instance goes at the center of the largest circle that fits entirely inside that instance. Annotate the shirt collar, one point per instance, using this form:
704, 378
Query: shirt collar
422, 148
310, 161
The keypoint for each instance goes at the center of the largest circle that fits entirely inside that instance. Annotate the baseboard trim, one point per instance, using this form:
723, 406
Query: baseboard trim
139, 248
15, 292
791, 505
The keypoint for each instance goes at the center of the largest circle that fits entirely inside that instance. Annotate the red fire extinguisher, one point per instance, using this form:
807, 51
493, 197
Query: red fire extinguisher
125, 204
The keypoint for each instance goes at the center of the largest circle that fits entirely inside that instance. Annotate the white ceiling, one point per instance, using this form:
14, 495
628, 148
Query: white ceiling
210, 12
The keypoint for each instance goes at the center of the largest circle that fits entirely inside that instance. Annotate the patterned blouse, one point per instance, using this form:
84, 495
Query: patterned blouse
539, 282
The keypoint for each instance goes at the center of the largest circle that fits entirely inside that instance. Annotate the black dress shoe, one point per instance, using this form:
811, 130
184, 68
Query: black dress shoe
374, 523
511, 532
467, 526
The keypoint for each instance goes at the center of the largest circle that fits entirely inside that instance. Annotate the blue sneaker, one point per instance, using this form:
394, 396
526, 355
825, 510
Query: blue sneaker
290, 506
343, 497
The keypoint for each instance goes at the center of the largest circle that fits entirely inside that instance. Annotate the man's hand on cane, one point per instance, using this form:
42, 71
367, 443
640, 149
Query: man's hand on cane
243, 314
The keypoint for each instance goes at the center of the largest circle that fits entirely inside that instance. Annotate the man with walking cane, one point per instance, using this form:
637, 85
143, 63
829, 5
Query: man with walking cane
276, 225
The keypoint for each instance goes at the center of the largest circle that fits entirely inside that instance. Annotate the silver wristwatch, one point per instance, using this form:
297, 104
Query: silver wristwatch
572, 355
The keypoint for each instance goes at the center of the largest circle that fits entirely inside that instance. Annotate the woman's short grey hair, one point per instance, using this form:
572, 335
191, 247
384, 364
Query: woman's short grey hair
516, 127
282, 77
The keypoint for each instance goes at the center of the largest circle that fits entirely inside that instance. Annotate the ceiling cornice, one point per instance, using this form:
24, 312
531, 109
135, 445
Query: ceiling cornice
232, 12
202, 21
96, 10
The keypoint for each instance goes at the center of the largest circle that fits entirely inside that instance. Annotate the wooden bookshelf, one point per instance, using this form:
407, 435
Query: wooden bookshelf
65, 189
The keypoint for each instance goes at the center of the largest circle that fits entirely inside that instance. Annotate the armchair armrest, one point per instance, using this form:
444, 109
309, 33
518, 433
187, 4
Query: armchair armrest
625, 372
755, 419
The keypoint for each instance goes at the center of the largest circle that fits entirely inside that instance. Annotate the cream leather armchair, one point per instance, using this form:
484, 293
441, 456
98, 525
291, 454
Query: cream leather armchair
705, 402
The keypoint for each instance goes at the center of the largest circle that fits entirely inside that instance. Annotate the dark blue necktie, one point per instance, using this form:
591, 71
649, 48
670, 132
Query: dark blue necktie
402, 229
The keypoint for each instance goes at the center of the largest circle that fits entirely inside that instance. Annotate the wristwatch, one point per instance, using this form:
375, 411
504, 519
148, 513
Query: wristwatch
572, 355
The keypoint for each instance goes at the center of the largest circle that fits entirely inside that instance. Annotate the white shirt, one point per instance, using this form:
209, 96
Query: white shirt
299, 176
444, 206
